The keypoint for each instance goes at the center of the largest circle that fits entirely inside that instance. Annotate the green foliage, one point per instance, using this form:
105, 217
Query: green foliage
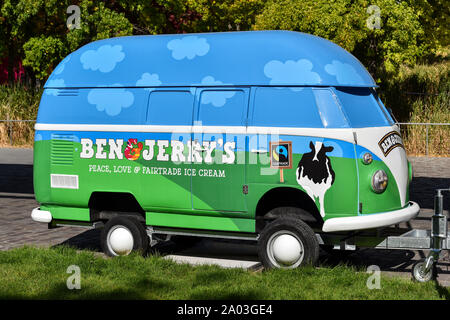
225, 15
344, 22
43, 54
98, 22
396, 43
23, 20
415, 85
35, 31
338, 21
434, 17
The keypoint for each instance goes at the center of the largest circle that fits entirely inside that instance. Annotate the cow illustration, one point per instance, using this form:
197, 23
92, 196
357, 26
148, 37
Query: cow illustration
315, 174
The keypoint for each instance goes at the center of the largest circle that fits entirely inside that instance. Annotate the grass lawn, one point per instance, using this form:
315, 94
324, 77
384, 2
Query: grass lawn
35, 273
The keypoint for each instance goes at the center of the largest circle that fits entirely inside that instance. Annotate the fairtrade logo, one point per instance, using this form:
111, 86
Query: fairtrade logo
281, 154
133, 150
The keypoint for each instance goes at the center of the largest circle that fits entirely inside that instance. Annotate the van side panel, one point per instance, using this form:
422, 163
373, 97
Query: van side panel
341, 197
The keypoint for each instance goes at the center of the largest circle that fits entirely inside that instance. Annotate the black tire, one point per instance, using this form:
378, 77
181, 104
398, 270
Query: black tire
292, 225
135, 228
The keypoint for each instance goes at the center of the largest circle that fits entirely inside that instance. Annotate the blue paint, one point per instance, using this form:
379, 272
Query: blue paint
282, 107
85, 106
241, 58
178, 104
222, 107
361, 151
103, 59
258, 78
110, 101
188, 47
362, 108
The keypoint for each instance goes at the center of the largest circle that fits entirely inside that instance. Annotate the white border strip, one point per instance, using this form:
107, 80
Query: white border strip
340, 134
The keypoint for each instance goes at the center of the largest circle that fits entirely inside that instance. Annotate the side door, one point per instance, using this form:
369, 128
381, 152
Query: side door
166, 144
218, 149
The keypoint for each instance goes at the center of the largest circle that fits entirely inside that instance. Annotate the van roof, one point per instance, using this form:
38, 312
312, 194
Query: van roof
262, 58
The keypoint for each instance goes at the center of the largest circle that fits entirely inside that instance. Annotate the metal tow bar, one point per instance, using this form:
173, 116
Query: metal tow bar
425, 270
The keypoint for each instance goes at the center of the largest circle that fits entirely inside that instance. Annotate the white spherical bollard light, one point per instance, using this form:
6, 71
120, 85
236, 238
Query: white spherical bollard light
286, 249
121, 241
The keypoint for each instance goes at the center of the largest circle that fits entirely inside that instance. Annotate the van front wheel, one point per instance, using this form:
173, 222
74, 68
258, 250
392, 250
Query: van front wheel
287, 243
122, 235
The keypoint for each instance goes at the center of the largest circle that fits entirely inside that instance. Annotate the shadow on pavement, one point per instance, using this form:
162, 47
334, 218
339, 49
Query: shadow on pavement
88, 240
423, 190
16, 178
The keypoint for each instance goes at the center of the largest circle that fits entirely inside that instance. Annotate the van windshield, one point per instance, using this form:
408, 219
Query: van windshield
363, 107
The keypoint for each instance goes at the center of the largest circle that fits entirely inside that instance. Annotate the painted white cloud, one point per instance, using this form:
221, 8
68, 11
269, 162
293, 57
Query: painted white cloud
188, 47
112, 101
291, 72
149, 80
62, 65
56, 83
344, 73
104, 59
216, 98
38, 137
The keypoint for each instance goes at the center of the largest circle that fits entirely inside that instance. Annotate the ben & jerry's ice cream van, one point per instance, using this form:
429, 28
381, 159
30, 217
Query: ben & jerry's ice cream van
273, 136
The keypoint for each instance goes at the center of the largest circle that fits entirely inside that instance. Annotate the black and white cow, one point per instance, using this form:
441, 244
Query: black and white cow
315, 174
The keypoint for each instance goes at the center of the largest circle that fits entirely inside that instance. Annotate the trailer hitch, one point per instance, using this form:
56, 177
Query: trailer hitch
426, 270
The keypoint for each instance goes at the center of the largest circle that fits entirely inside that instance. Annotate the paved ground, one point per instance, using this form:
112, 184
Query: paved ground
17, 228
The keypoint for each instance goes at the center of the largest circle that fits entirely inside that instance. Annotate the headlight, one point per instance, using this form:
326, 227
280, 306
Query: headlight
367, 158
379, 181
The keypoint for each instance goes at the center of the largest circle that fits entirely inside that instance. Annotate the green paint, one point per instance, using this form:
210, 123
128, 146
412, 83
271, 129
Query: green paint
373, 202
340, 200
67, 213
198, 201
199, 222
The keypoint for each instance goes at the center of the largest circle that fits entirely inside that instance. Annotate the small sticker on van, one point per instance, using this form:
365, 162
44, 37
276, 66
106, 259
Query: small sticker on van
390, 141
281, 155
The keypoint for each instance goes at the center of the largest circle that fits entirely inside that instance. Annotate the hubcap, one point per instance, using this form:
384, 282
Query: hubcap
285, 249
120, 240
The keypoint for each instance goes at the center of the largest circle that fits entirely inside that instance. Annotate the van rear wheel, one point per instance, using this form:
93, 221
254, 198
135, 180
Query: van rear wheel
123, 235
287, 243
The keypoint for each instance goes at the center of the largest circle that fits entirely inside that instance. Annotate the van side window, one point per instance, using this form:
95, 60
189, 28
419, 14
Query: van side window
362, 108
170, 108
329, 109
222, 108
285, 107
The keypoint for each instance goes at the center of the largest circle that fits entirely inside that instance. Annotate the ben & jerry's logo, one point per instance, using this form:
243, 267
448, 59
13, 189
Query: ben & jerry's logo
390, 141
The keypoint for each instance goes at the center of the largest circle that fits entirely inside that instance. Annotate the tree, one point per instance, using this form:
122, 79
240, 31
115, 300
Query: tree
225, 15
24, 19
434, 17
345, 22
97, 22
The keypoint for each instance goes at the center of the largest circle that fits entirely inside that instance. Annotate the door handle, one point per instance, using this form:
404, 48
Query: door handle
259, 151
